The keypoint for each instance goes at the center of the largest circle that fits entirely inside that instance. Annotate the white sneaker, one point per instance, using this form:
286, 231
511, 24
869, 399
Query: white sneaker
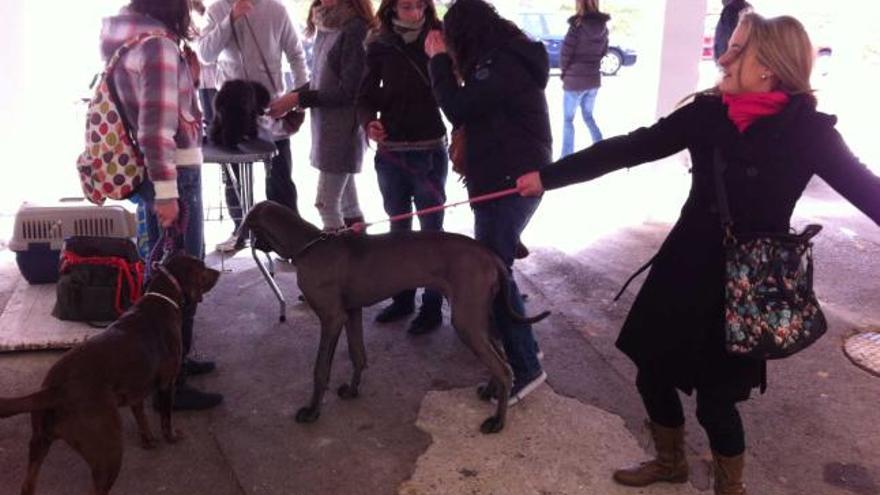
231, 245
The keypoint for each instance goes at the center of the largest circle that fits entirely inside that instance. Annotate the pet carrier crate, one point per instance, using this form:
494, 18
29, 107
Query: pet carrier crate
40, 232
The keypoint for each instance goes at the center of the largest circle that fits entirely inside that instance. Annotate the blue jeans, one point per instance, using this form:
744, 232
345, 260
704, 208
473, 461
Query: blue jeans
586, 100
498, 224
189, 190
414, 177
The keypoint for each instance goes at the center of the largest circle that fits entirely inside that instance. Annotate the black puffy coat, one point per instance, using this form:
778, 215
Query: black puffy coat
676, 325
503, 110
583, 47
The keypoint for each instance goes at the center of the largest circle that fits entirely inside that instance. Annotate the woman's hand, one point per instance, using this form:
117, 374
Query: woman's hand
376, 131
435, 43
166, 210
530, 184
241, 8
281, 106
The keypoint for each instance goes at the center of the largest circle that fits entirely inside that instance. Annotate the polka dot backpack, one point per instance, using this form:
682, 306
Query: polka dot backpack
112, 165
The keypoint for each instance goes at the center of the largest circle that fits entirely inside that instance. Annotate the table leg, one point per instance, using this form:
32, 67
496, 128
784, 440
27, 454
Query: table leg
247, 202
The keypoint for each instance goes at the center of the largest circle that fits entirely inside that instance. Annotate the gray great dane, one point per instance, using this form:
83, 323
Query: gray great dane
340, 274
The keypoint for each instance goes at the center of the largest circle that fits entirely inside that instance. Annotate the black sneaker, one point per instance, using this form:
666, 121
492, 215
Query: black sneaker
191, 367
187, 398
395, 311
425, 322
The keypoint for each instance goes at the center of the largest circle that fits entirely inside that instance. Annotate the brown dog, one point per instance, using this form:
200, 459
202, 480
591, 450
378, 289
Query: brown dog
340, 274
138, 353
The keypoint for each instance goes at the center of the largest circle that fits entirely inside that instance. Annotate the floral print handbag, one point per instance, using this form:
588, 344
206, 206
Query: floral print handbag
770, 310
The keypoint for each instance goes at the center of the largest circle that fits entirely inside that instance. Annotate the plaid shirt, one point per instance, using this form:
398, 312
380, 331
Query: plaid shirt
158, 97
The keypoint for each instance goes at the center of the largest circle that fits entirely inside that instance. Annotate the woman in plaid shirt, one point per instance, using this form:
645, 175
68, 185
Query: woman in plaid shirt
156, 90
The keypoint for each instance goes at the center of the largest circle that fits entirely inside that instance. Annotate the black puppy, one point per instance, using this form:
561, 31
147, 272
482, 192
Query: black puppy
237, 106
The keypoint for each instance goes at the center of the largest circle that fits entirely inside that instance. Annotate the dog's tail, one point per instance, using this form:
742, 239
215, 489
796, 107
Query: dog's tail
37, 401
504, 281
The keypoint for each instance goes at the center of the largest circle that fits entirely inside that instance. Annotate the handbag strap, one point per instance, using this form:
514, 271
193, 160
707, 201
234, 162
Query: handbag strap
720, 165
259, 51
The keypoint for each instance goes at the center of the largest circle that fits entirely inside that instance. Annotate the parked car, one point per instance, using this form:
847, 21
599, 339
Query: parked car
550, 29
822, 50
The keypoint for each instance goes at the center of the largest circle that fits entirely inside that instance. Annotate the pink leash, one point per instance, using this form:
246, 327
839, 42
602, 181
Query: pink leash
360, 226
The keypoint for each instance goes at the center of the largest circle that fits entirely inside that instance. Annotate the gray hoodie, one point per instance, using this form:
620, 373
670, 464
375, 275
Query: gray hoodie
275, 34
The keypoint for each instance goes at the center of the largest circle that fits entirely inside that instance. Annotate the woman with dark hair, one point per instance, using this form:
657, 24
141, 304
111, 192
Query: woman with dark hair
411, 159
338, 57
503, 113
156, 89
585, 43
759, 136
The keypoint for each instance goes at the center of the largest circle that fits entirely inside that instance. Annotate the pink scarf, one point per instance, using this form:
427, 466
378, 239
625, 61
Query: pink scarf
745, 108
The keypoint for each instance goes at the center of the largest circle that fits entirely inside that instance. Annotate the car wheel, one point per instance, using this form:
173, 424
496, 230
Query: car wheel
611, 62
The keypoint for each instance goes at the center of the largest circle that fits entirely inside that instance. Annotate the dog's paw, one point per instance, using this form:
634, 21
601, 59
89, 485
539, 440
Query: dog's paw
346, 391
493, 424
307, 415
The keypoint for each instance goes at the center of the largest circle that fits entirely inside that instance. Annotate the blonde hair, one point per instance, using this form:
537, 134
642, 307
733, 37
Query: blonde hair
587, 6
782, 45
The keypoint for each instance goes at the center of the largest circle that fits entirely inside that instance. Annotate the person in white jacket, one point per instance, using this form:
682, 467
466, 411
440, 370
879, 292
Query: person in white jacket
247, 39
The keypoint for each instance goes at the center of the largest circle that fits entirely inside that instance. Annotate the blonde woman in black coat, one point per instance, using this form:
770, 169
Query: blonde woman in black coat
762, 118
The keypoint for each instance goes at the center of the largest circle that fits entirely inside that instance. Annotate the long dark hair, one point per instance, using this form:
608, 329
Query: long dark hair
174, 14
472, 29
385, 14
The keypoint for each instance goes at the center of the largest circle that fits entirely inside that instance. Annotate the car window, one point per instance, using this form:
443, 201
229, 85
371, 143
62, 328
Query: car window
557, 24
533, 25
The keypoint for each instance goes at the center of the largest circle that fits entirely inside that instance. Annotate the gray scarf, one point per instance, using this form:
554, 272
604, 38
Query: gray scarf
409, 31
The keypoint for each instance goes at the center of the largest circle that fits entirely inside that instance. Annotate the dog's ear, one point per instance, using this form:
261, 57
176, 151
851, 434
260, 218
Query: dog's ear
209, 279
194, 277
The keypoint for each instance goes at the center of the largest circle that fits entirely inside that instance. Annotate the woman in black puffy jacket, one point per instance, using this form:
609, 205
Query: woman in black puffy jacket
582, 50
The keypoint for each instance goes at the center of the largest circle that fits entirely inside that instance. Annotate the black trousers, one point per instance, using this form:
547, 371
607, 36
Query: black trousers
717, 415
279, 184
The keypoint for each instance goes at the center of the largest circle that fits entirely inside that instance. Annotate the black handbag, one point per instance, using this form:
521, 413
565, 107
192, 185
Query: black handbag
770, 309
100, 278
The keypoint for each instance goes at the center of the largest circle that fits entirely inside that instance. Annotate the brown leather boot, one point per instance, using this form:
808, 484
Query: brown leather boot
728, 474
670, 465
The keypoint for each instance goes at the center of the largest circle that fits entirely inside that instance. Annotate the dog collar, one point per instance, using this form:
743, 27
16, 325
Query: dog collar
173, 281
322, 237
163, 296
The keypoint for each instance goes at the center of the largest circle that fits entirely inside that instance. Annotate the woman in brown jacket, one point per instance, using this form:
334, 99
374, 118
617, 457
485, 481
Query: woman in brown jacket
762, 118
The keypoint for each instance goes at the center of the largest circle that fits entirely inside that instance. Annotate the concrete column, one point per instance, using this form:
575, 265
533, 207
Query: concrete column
680, 51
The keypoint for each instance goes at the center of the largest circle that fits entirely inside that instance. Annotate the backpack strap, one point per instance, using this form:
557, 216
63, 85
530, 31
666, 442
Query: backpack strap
129, 44
108, 70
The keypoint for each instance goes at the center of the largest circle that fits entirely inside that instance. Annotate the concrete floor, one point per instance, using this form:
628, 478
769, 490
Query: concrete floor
414, 430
